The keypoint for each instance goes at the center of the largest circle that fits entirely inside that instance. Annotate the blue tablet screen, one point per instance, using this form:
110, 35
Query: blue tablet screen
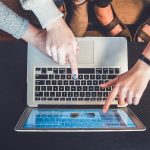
78, 118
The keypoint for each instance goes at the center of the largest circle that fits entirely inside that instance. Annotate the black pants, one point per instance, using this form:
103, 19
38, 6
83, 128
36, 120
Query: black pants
102, 3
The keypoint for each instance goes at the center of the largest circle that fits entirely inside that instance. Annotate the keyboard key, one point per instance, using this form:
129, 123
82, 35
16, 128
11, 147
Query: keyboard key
95, 82
67, 88
117, 71
43, 70
52, 94
68, 70
105, 94
86, 99
49, 99
83, 82
104, 77
49, 69
68, 77
111, 76
48, 82
77, 82
59, 82
80, 99
111, 71
61, 88
73, 88
46, 94
65, 82
102, 89
58, 94
82, 94
55, 88
80, 77
88, 94
64, 94
76, 94
74, 99
86, 70
39, 82
62, 77
92, 77
96, 88
93, 99
98, 70
86, 77
43, 88
85, 88
38, 94
53, 82
62, 99
37, 88
51, 76
71, 82
89, 82
56, 99
93, 94
99, 94
105, 70
49, 88
68, 99
57, 76
62, 71
55, 70
98, 76
38, 69
43, 98
101, 82
42, 76
79, 88
91, 88
70, 94
37, 99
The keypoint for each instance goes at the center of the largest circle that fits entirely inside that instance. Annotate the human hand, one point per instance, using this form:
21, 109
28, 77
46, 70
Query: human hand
61, 44
129, 87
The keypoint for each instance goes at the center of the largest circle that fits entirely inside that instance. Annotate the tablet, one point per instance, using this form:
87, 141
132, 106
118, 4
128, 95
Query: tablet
78, 120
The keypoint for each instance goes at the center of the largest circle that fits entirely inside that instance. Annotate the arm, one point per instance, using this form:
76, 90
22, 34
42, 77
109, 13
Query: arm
61, 44
45, 10
11, 23
130, 86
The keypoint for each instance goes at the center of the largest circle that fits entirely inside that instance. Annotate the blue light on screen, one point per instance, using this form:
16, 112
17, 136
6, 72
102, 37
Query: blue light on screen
78, 118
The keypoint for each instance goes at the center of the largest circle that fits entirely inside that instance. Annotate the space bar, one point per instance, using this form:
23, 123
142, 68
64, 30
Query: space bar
86, 70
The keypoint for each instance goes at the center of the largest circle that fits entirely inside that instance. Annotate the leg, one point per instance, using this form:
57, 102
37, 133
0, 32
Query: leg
104, 14
78, 22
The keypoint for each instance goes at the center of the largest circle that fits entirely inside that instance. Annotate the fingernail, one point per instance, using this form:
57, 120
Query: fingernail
104, 110
75, 76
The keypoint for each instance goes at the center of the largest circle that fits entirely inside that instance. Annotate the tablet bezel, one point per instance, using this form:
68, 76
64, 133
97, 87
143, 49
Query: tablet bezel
19, 127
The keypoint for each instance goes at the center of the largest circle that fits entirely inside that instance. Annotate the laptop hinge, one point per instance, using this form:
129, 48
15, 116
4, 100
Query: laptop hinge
75, 106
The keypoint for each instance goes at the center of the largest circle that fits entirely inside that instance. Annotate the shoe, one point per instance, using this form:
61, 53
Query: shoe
78, 21
140, 33
125, 31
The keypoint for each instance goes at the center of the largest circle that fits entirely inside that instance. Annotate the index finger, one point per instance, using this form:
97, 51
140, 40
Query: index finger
73, 64
110, 98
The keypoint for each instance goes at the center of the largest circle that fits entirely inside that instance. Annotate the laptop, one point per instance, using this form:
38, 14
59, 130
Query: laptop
58, 103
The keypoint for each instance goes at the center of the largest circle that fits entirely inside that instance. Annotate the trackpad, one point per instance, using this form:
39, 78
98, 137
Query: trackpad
86, 54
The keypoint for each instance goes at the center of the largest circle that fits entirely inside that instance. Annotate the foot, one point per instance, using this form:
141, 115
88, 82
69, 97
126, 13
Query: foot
146, 29
105, 16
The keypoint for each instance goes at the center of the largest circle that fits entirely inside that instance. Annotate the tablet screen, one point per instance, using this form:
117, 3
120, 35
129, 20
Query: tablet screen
78, 118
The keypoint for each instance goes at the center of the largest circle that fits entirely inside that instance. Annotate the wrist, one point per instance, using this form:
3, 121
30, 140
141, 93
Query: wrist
143, 68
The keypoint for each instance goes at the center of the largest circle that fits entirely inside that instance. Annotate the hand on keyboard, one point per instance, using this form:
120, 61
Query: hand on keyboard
61, 44
129, 86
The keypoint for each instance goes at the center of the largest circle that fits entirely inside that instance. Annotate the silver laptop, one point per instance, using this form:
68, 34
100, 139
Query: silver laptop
56, 102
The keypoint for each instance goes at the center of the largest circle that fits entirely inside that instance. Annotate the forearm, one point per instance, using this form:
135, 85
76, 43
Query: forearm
45, 10
12, 23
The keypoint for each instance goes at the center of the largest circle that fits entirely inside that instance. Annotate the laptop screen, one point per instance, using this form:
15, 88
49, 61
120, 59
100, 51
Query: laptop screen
78, 118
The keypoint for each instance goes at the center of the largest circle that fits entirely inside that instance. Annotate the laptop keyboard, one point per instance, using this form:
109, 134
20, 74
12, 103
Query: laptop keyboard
56, 84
